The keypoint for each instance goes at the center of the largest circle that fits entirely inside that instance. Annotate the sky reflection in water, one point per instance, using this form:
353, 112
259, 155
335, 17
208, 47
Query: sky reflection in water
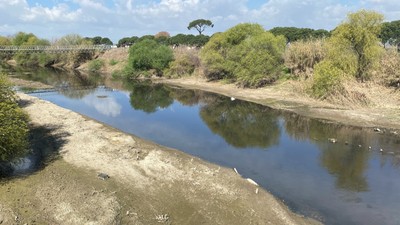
287, 154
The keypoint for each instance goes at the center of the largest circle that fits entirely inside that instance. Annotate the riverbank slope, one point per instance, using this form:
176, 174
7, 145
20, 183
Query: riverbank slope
147, 184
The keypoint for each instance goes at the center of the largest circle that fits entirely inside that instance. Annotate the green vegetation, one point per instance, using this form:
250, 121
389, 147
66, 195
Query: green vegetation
95, 65
13, 124
200, 25
296, 34
148, 55
99, 40
246, 54
352, 51
113, 62
390, 32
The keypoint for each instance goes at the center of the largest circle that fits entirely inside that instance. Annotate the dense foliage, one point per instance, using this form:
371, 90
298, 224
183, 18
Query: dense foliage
149, 55
99, 40
13, 124
390, 32
246, 54
295, 34
352, 51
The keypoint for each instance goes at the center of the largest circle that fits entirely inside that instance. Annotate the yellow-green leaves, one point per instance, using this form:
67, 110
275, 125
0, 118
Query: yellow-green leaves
246, 54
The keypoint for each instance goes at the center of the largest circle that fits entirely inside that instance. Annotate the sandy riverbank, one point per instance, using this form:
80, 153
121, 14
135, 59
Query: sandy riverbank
148, 184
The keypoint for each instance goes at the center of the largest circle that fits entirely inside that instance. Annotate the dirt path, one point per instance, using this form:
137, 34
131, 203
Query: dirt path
284, 96
148, 184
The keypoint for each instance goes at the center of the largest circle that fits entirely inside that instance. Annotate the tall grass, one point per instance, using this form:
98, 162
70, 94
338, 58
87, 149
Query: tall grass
186, 62
388, 70
301, 56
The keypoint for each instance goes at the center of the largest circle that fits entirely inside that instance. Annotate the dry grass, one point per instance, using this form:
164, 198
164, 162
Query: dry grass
388, 70
186, 63
301, 56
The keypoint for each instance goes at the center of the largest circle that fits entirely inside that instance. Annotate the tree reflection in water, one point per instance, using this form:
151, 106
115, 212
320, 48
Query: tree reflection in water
242, 124
347, 162
149, 97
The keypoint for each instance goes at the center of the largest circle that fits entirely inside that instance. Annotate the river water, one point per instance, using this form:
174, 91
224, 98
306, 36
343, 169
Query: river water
348, 182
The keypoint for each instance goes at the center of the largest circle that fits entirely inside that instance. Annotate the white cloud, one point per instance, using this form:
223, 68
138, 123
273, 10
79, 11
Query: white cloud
107, 106
58, 13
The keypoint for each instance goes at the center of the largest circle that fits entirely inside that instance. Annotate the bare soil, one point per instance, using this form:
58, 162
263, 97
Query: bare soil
148, 184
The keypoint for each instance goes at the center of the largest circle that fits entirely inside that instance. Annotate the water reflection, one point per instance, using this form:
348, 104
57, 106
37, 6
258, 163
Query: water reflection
72, 84
242, 124
285, 153
103, 103
149, 97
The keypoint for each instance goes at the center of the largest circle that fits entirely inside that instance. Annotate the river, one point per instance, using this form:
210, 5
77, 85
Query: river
347, 182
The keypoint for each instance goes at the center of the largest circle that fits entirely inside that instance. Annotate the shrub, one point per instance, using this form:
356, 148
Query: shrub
246, 54
357, 40
149, 55
327, 79
95, 65
185, 63
113, 62
302, 56
13, 125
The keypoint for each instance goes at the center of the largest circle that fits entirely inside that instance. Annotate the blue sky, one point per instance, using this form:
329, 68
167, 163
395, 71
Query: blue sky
52, 19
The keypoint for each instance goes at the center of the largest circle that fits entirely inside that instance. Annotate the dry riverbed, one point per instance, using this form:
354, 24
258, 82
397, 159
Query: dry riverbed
148, 184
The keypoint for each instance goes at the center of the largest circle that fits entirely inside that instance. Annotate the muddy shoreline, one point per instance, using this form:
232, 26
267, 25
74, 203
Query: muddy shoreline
148, 184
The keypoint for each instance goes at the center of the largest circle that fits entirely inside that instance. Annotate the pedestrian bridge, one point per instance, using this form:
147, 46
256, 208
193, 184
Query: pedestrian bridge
53, 49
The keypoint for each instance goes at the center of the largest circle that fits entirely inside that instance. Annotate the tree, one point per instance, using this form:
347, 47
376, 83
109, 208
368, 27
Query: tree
358, 36
295, 34
200, 25
127, 41
148, 54
390, 32
246, 54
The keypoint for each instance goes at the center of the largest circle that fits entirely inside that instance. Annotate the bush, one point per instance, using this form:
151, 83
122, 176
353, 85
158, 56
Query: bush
113, 62
95, 65
246, 54
149, 55
327, 79
13, 125
185, 63
302, 56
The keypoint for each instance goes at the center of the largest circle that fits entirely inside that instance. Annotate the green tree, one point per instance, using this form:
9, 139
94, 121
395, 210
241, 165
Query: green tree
358, 36
295, 34
13, 124
246, 54
127, 41
200, 25
149, 55
390, 32
106, 41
